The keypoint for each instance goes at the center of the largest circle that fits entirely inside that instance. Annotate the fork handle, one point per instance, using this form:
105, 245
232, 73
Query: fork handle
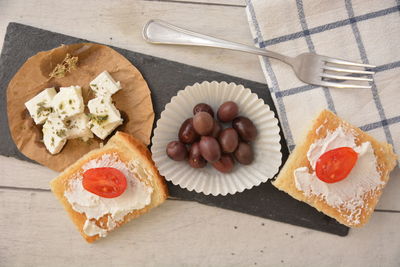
161, 32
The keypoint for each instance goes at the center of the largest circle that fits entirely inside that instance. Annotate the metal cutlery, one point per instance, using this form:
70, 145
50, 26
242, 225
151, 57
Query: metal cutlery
309, 67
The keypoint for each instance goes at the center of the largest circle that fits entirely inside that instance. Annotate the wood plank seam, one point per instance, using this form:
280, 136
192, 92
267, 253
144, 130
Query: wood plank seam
24, 189
389, 211
197, 3
14, 188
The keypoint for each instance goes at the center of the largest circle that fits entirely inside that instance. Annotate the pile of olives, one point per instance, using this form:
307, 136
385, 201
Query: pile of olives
203, 139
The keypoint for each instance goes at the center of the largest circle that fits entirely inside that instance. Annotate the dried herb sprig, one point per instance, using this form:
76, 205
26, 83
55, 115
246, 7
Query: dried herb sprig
67, 65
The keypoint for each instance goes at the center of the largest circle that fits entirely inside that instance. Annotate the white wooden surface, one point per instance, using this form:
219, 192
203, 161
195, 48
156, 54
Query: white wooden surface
35, 231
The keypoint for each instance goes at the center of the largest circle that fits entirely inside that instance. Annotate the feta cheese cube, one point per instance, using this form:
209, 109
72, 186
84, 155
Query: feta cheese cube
104, 84
103, 130
77, 127
77, 88
68, 102
39, 107
104, 116
54, 133
102, 108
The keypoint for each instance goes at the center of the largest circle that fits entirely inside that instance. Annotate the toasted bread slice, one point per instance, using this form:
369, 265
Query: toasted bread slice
324, 123
127, 148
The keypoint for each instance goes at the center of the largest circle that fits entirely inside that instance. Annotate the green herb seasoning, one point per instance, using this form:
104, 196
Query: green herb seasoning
61, 133
42, 103
43, 110
99, 119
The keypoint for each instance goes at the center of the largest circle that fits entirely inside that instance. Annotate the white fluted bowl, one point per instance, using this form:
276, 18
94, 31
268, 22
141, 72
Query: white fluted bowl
207, 180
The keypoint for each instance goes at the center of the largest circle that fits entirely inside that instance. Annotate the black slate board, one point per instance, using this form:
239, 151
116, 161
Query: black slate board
165, 78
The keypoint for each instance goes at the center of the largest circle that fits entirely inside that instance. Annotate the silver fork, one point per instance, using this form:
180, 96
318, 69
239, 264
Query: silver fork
309, 67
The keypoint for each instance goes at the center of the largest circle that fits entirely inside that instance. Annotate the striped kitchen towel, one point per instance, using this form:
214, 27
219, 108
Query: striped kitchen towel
365, 31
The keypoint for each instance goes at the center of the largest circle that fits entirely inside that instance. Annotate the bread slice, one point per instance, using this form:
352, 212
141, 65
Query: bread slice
324, 123
127, 148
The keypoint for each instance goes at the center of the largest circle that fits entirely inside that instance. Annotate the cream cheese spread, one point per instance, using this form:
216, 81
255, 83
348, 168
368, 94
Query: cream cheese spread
91, 229
136, 196
349, 193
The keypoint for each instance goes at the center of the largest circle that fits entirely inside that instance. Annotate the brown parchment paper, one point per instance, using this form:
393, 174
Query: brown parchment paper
133, 101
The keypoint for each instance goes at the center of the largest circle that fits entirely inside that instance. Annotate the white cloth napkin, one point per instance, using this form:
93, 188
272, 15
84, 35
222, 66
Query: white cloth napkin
365, 31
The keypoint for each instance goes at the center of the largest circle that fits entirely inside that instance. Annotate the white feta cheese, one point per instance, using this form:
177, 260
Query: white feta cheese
77, 127
103, 108
68, 102
103, 130
77, 88
104, 84
39, 107
54, 133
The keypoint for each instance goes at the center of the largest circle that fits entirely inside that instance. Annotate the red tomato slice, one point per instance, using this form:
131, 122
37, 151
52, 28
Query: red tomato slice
335, 165
105, 182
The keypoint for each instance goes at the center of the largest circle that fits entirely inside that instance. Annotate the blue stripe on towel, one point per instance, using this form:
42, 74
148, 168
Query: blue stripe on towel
375, 125
311, 47
275, 87
329, 26
296, 90
388, 66
364, 58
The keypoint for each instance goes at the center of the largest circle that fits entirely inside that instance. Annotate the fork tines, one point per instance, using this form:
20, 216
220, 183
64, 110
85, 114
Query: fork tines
334, 66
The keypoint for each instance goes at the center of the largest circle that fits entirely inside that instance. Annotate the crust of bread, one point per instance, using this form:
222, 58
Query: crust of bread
327, 121
127, 148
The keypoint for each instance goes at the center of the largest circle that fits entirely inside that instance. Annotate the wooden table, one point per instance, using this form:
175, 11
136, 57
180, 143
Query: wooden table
35, 230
